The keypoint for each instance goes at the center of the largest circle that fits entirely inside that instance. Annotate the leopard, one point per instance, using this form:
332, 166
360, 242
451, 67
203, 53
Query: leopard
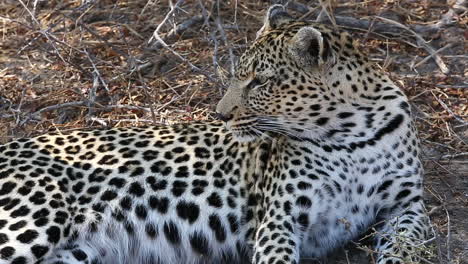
314, 146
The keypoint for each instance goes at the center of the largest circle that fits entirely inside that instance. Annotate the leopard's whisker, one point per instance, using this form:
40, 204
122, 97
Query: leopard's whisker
289, 122
278, 130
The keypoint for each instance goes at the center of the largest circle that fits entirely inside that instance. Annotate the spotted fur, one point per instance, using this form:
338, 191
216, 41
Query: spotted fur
319, 146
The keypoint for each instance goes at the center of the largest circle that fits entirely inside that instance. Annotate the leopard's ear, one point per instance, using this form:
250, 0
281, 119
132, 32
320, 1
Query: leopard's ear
275, 17
309, 47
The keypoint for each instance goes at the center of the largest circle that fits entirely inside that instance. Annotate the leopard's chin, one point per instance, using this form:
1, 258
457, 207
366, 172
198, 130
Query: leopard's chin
244, 137
241, 133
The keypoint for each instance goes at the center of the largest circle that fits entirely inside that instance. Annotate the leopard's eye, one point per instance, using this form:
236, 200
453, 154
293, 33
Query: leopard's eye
256, 82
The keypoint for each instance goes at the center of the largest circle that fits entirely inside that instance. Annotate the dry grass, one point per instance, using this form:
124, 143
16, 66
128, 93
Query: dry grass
67, 65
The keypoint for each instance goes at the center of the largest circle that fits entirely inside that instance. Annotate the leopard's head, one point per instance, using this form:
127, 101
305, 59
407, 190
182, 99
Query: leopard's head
293, 80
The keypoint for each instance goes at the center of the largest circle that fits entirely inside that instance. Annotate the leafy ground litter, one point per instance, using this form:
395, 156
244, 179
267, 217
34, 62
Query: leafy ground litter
67, 65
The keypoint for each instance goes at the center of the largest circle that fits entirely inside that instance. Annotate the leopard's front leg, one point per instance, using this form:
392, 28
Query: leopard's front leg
276, 239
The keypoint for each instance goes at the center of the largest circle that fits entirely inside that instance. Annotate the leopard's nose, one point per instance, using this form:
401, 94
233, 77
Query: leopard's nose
222, 117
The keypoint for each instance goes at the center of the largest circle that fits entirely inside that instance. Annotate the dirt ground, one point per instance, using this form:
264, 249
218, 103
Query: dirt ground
82, 64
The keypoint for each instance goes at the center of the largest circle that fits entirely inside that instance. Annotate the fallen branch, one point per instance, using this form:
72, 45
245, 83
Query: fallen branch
448, 18
224, 38
364, 24
51, 38
43, 32
461, 86
59, 106
459, 119
433, 54
130, 107
323, 14
97, 36
462, 155
206, 18
96, 71
178, 30
449, 236
215, 54
87, 103
104, 121
442, 66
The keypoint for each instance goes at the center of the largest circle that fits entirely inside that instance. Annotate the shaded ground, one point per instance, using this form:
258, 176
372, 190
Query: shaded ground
67, 65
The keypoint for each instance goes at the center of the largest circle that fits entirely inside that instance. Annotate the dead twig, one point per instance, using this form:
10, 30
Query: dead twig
178, 30
96, 71
146, 7
130, 107
442, 66
104, 121
452, 156
433, 54
448, 109
461, 86
364, 24
324, 11
51, 38
164, 44
215, 54
92, 94
99, 37
448, 18
347, 257
58, 106
224, 38
43, 32
449, 236
213, 37
87, 103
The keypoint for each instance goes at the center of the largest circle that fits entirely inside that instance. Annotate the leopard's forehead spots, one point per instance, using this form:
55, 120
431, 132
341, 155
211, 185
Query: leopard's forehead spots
270, 49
